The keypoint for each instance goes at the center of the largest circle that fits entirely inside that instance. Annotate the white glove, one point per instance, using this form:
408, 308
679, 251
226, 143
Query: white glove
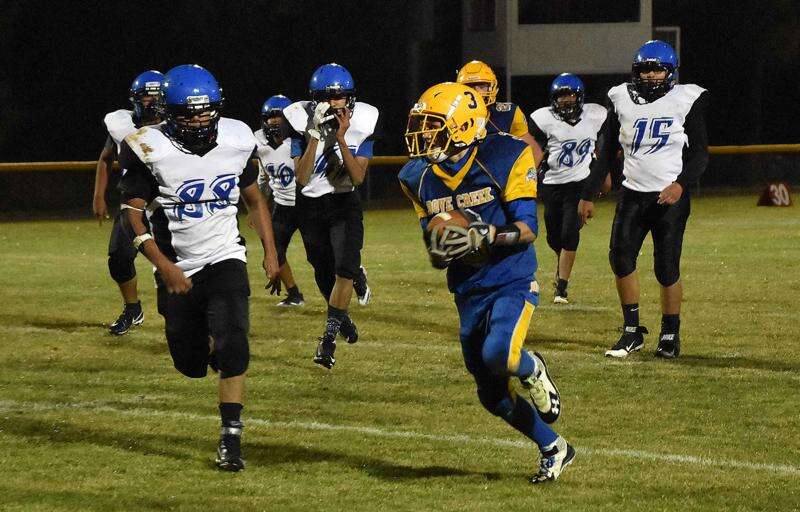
321, 116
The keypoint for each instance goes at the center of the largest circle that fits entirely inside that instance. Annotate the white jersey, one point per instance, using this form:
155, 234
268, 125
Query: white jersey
276, 169
119, 125
195, 209
652, 135
569, 147
329, 174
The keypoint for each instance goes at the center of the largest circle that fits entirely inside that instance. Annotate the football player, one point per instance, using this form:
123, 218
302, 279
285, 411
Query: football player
491, 264
144, 95
276, 180
503, 116
661, 127
567, 129
188, 174
332, 152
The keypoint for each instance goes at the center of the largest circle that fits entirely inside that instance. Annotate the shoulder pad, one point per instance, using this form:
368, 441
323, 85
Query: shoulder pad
596, 111
259, 135
149, 143
617, 92
542, 117
297, 115
365, 117
690, 91
119, 124
235, 133
412, 170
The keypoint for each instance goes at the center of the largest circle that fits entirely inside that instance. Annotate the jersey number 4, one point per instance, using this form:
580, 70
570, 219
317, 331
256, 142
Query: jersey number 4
656, 131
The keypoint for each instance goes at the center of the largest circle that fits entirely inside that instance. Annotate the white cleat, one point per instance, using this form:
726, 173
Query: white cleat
543, 391
552, 465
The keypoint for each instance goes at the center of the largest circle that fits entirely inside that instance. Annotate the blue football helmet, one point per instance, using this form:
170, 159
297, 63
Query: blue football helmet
190, 90
654, 56
273, 107
332, 80
146, 84
565, 84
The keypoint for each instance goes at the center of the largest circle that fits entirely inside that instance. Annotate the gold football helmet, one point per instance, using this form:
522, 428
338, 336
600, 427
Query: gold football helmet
476, 72
447, 118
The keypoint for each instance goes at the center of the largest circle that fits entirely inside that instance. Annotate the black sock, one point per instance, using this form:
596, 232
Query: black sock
336, 317
294, 291
136, 306
631, 314
230, 412
670, 323
561, 286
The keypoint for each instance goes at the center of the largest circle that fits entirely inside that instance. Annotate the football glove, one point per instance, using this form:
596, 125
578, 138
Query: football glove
437, 253
323, 115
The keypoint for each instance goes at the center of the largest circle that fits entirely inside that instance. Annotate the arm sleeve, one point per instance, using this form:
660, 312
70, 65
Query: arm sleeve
539, 135
250, 173
519, 125
137, 182
607, 144
524, 210
695, 153
421, 213
521, 181
365, 149
298, 147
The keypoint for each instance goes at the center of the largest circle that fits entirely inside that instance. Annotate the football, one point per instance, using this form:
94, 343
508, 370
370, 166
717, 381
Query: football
440, 220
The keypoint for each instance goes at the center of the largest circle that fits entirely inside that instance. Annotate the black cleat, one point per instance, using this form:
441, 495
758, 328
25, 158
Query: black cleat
229, 451
669, 345
361, 287
292, 300
632, 339
129, 317
349, 331
324, 354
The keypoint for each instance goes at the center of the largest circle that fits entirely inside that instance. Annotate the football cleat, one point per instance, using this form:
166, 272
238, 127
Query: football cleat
553, 462
632, 339
543, 391
324, 354
560, 298
292, 301
361, 287
669, 345
229, 451
129, 317
349, 331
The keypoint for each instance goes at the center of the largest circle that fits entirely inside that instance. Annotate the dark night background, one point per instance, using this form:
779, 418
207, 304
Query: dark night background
65, 64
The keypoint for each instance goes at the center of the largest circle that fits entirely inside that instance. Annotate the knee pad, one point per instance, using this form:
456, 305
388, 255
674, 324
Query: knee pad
232, 354
495, 357
193, 370
346, 271
667, 272
554, 241
622, 264
121, 267
570, 239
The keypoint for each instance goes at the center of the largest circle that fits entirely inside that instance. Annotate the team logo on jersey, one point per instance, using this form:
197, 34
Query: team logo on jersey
503, 107
465, 200
531, 174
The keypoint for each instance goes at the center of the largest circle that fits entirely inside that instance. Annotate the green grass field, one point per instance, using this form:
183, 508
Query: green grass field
93, 422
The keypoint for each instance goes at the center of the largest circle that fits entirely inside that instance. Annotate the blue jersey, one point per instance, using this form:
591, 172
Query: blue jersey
498, 182
506, 118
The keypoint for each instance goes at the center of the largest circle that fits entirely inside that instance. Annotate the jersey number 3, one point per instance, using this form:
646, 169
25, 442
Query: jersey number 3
656, 131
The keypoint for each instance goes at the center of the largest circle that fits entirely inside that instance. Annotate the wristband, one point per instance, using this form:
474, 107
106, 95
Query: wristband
506, 235
313, 133
139, 240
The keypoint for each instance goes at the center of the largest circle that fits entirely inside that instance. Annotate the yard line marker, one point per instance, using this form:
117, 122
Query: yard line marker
672, 458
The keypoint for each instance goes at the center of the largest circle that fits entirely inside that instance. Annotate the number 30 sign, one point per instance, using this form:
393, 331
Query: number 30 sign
776, 194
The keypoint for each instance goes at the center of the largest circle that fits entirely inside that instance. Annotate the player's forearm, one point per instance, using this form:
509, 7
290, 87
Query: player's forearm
354, 168
101, 177
135, 212
262, 219
306, 162
526, 234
